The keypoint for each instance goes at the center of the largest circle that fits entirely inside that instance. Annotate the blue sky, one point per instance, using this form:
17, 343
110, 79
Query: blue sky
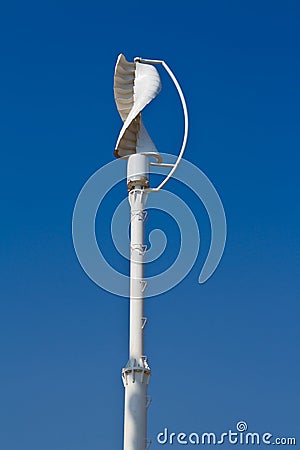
220, 352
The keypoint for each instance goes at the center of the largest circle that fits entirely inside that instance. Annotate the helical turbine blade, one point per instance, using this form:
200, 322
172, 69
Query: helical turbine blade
135, 85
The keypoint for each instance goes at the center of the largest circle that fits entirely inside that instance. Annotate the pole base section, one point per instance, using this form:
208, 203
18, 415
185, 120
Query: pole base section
136, 377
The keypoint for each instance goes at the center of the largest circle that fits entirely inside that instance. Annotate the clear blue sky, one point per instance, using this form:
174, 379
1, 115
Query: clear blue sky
220, 352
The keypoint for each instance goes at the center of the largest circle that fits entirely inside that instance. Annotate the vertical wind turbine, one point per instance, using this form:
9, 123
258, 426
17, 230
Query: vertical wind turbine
135, 85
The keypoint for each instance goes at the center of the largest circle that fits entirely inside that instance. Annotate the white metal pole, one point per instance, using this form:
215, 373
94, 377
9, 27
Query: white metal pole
136, 374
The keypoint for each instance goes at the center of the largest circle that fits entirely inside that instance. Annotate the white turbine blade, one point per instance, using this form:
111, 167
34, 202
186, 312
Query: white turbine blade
127, 141
146, 87
123, 86
147, 84
145, 144
135, 85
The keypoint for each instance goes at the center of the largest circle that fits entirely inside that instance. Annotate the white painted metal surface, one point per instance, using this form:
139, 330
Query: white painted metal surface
138, 171
136, 374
